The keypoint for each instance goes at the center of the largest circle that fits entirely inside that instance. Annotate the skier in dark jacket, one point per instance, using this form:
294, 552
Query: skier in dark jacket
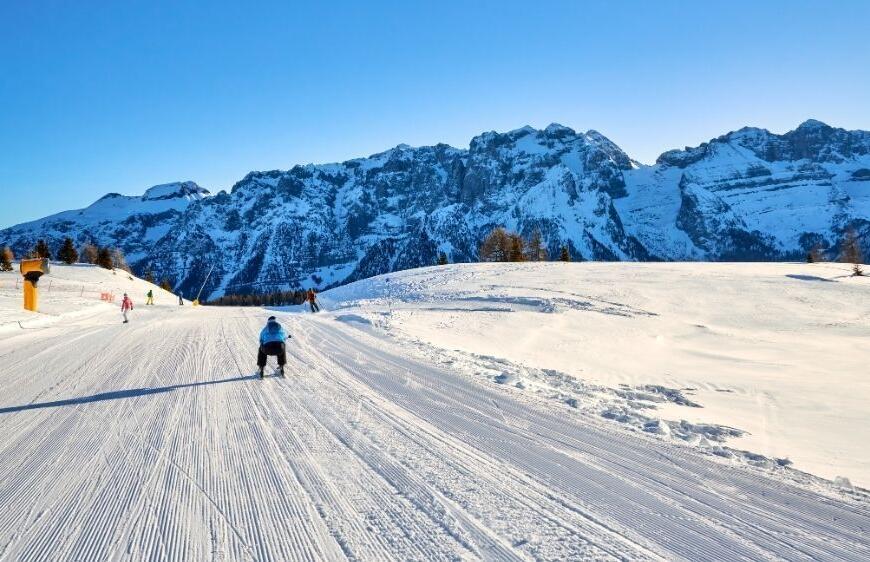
312, 301
272, 342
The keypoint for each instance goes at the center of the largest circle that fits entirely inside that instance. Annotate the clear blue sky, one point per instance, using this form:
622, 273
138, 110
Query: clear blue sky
118, 96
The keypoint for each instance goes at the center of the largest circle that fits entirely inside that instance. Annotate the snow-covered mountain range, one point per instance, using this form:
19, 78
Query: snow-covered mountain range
747, 195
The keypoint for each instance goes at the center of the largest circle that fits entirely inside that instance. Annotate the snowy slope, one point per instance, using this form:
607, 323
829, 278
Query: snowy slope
749, 195
133, 223
153, 441
775, 354
73, 292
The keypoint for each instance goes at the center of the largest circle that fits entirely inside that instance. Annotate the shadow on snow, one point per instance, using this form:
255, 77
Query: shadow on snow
810, 278
116, 395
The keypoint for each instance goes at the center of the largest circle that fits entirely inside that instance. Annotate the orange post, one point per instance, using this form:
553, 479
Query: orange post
32, 270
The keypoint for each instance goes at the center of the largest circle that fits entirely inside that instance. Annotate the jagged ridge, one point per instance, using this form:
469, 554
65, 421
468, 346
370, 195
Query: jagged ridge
747, 195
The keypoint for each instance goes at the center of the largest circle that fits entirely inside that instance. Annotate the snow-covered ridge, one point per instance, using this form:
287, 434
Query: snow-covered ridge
178, 190
115, 207
746, 195
811, 140
132, 222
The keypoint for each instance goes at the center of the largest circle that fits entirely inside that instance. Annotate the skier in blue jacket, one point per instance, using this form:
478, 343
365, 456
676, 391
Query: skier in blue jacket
272, 342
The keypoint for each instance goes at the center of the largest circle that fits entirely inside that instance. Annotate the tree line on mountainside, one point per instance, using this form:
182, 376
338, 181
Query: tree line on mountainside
274, 298
102, 256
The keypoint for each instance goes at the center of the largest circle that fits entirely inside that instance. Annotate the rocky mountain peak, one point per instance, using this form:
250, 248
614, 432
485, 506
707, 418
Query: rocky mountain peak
555, 130
175, 190
748, 194
812, 124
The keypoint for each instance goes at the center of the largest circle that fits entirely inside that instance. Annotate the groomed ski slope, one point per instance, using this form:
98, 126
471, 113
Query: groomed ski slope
153, 441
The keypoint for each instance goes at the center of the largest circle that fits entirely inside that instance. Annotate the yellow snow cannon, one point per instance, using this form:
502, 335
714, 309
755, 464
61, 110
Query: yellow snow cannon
32, 270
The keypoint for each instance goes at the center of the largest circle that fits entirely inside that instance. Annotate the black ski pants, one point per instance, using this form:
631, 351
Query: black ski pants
272, 348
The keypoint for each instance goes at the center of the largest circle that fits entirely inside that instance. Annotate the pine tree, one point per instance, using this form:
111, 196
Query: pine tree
104, 258
816, 254
535, 249
41, 250
496, 246
851, 251
564, 254
442, 259
89, 253
517, 251
119, 261
68, 253
166, 285
149, 276
6, 257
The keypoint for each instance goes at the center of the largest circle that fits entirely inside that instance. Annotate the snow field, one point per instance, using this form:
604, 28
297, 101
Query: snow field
154, 440
74, 291
774, 354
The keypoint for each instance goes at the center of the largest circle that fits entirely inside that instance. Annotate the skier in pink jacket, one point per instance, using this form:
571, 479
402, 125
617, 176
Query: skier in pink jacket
126, 306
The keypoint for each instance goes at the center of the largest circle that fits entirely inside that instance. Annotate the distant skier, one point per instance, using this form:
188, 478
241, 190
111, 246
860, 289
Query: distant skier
150, 299
312, 301
126, 306
272, 342
180, 298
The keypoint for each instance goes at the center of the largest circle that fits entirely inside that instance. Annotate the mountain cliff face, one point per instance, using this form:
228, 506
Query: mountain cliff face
747, 195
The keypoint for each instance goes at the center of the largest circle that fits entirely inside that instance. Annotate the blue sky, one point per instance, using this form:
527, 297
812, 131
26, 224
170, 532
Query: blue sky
118, 96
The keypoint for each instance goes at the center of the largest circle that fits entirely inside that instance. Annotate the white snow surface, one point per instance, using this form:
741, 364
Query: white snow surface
72, 291
776, 350
114, 207
153, 441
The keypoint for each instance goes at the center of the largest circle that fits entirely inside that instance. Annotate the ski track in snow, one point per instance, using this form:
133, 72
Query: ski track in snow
154, 441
